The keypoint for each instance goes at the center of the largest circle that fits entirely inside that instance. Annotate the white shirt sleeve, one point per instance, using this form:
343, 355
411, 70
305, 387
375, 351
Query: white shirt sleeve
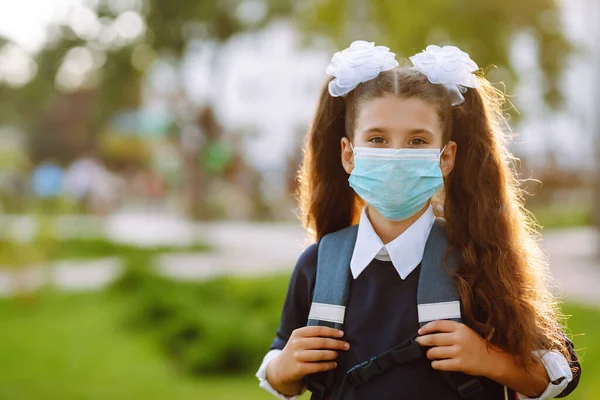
559, 373
261, 374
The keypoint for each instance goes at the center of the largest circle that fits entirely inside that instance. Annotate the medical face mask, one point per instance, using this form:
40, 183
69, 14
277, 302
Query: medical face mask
397, 182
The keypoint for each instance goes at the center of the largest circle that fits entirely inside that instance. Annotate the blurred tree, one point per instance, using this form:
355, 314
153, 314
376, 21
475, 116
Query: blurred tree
483, 28
104, 49
121, 54
173, 27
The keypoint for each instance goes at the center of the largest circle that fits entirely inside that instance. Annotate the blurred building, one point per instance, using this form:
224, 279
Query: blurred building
563, 137
263, 86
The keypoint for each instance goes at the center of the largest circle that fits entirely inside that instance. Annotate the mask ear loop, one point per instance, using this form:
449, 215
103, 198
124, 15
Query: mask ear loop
441, 153
352, 147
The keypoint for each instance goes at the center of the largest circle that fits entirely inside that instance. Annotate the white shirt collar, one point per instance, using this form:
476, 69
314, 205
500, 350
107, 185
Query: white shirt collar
405, 252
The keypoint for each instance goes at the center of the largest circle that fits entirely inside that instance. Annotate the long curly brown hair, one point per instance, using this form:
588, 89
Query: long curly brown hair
503, 275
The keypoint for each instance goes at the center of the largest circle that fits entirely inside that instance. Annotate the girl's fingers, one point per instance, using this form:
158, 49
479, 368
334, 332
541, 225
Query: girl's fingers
314, 331
450, 364
316, 355
436, 339
442, 325
316, 343
441, 352
314, 367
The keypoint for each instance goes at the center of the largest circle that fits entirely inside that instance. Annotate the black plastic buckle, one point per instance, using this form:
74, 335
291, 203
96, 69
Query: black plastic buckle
364, 371
410, 352
473, 387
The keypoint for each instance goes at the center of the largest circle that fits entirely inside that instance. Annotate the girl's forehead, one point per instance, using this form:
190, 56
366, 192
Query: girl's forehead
397, 114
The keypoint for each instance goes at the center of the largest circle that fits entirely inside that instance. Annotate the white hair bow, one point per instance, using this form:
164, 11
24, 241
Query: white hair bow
360, 62
448, 66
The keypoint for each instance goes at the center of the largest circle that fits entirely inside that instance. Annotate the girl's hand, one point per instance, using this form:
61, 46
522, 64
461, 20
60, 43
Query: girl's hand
456, 347
310, 349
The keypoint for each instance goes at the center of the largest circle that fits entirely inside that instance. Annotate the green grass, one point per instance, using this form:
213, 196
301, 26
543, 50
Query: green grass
584, 326
73, 347
58, 346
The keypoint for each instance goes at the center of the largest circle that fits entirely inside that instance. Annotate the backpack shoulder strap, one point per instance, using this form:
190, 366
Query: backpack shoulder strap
438, 298
332, 284
437, 295
332, 288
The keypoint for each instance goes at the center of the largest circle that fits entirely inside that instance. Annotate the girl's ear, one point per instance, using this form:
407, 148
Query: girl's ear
347, 155
447, 159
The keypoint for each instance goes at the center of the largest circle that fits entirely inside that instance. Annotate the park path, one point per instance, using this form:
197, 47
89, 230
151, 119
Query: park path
248, 249
242, 248
575, 263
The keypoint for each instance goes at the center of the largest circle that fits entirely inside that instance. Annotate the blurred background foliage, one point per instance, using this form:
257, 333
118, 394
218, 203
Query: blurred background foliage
95, 64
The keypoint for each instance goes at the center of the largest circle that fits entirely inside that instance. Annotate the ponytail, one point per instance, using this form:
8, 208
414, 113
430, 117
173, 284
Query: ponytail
503, 271
327, 202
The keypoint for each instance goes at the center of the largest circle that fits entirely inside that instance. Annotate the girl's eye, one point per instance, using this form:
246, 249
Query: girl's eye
417, 141
378, 140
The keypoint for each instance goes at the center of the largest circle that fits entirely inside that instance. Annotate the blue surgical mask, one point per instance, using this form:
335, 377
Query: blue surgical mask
397, 182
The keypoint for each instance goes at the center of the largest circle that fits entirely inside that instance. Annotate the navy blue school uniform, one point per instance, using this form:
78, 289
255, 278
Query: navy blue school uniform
381, 312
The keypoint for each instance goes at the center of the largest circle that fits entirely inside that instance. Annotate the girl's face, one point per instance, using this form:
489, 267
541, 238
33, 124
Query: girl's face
397, 122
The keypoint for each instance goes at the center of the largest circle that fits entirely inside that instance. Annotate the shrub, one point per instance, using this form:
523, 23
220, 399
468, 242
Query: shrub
221, 326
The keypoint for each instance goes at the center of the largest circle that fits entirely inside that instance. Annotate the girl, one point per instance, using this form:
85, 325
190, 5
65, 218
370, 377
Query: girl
384, 139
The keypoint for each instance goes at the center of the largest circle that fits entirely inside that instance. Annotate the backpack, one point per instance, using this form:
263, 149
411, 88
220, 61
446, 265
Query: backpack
437, 298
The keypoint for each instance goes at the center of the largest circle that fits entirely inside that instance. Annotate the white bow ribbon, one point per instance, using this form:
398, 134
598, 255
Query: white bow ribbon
360, 62
448, 66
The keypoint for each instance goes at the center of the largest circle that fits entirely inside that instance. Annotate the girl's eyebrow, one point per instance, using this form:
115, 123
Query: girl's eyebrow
420, 131
410, 132
376, 130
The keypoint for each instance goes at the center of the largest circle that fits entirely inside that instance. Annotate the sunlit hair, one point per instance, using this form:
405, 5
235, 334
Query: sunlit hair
503, 275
